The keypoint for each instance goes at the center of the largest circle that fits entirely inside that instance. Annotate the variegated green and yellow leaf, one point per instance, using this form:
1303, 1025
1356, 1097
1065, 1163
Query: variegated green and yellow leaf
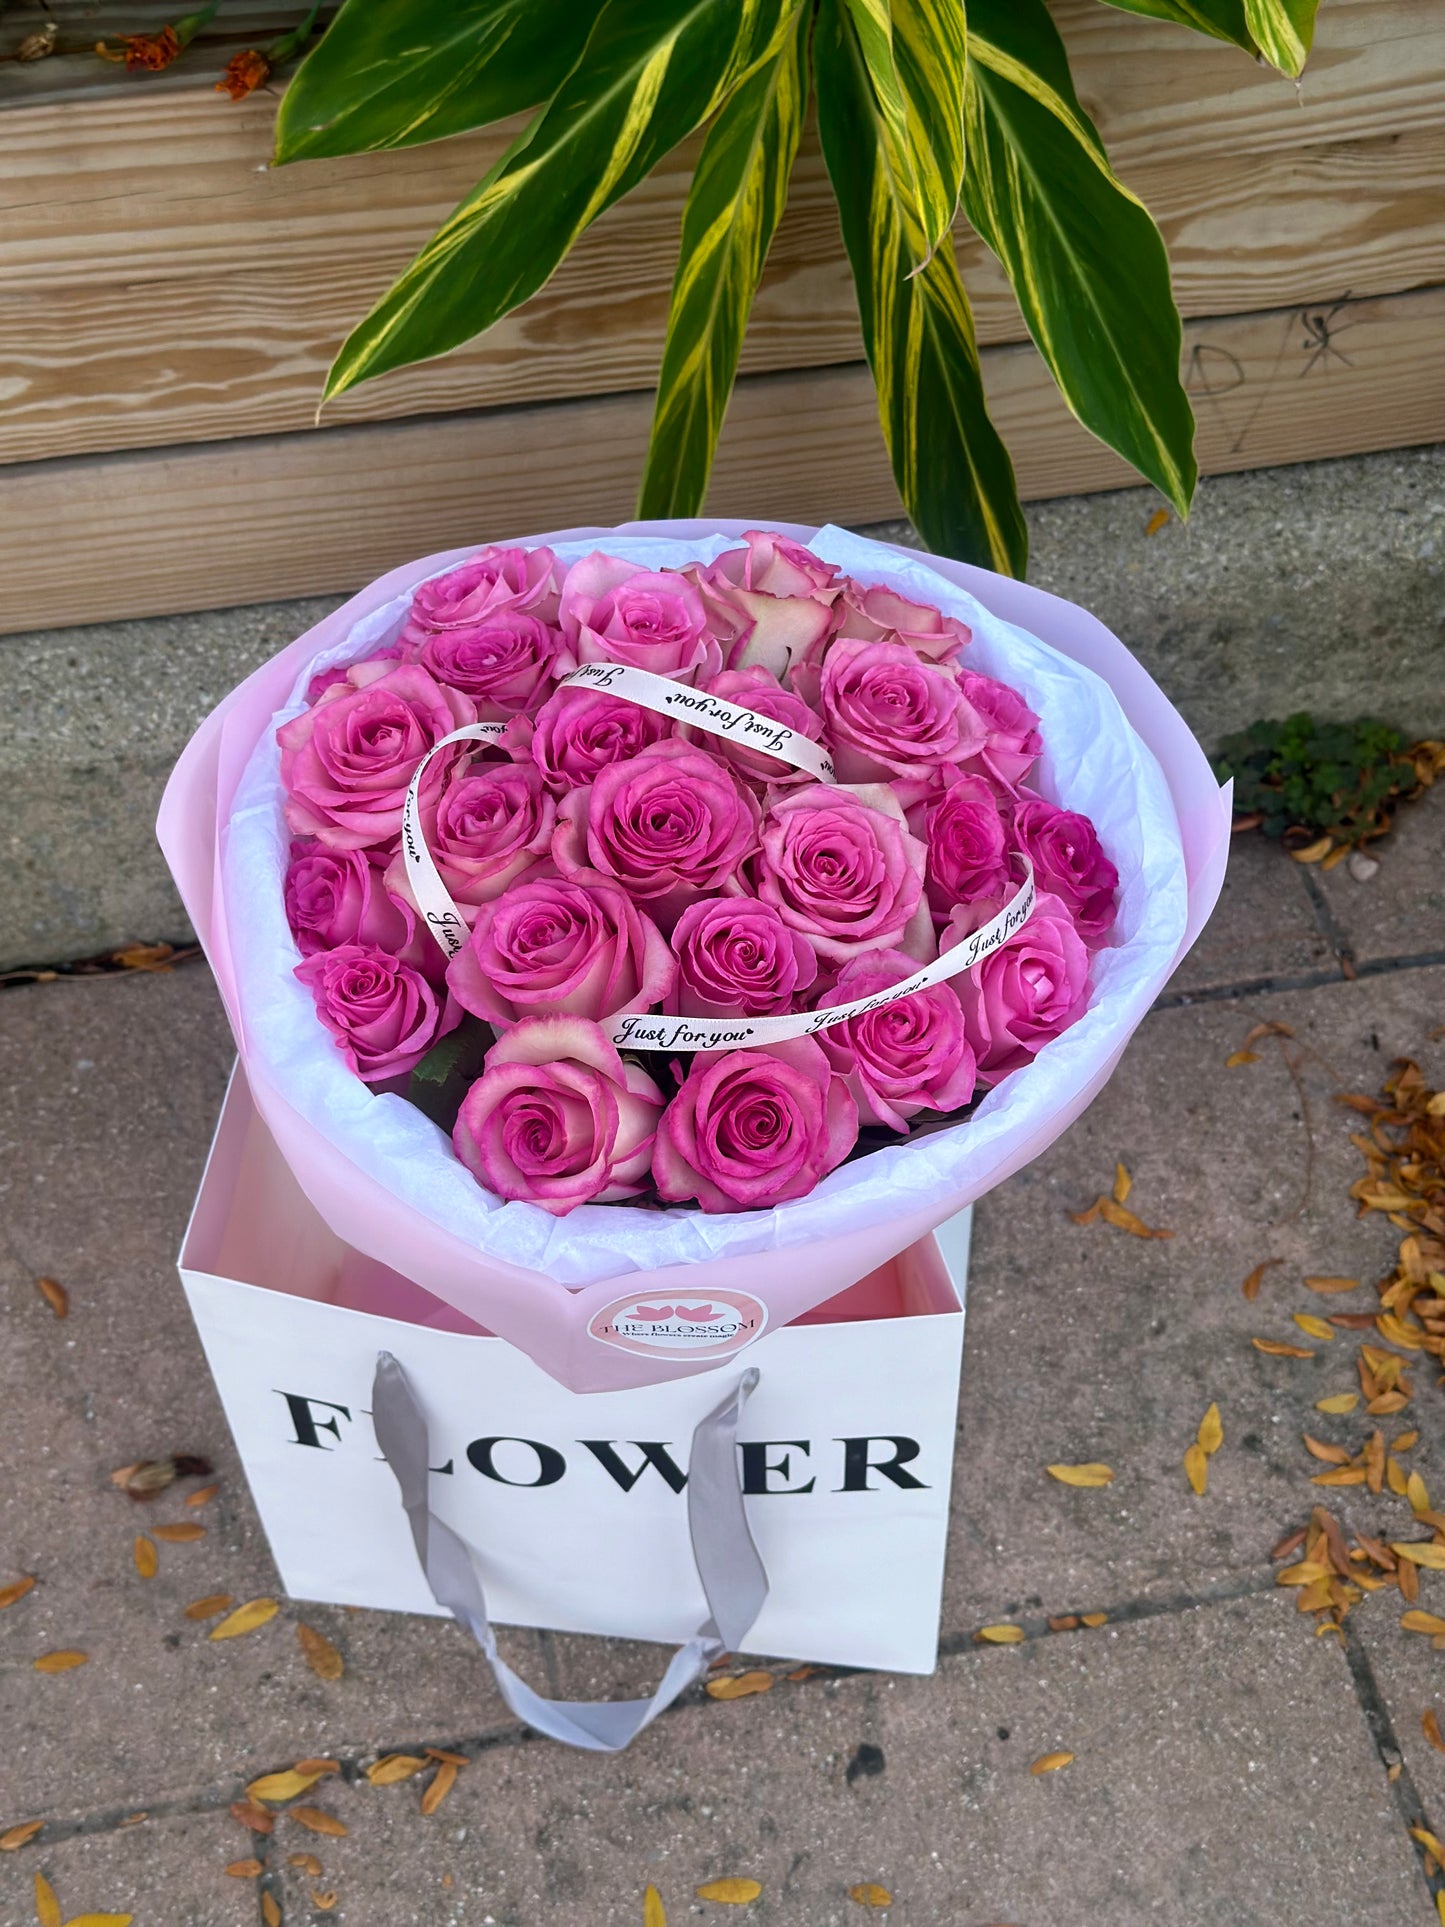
1086, 262
1283, 31
1238, 21
651, 71
915, 53
733, 206
952, 470
390, 75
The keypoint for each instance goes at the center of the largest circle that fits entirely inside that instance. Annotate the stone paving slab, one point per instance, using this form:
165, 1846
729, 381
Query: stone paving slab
1223, 1773
1264, 927
166, 1871
1409, 1677
1400, 911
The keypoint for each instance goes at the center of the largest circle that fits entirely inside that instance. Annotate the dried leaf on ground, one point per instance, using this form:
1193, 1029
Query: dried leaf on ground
1160, 519
243, 1869
1331, 1454
1341, 1475
144, 1553
392, 1768
245, 1619
736, 1890
738, 1686
1210, 1435
321, 1656
318, 1820
252, 1816
1289, 1545
1000, 1635
16, 1837
100, 1920
324, 1902
1051, 1762
1431, 1726
1276, 1348
55, 1295
207, 1608
17, 1589
147, 1477
1125, 1220
270, 1910
444, 1779
203, 1495
64, 1661
652, 1912
1417, 1493
184, 1534
870, 1894
1092, 1474
1423, 1622
1062, 1623
1095, 1619
440, 1753
1421, 1552
1326, 1285
1252, 1283
1123, 1184
279, 1787
307, 1862
318, 1766
1314, 852
1196, 1468
1314, 1327
1238, 1057
47, 1907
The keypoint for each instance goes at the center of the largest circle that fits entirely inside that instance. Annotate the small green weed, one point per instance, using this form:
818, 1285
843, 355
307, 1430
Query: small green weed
1330, 786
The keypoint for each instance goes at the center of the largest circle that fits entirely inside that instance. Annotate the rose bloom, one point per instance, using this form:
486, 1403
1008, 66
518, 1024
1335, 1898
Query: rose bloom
334, 897
841, 870
504, 662
888, 713
770, 602
905, 1057
383, 1013
758, 689
495, 579
1070, 863
574, 946
557, 1118
615, 612
489, 828
1012, 743
967, 843
669, 825
346, 763
579, 731
882, 615
1024, 993
737, 958
750, 1128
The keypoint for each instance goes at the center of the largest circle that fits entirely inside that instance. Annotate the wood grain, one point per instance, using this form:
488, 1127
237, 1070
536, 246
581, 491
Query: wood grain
126, 535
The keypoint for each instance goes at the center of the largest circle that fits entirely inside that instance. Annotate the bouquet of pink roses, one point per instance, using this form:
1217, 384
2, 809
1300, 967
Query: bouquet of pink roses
683, 884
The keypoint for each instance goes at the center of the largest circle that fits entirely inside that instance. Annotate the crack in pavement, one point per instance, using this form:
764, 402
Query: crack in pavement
1302, 980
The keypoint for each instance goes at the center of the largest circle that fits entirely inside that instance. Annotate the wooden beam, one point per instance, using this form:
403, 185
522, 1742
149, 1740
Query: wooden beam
100, 538
243, 351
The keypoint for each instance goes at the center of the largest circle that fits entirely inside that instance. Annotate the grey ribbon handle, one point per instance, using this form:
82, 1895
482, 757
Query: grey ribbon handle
734, 1582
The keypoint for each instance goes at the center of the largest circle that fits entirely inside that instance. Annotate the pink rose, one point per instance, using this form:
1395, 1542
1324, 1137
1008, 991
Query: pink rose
759, 690
557, 1118
383, 1013
737, 958
614, 612
750, 1128
566, 946
335, 897
578, 731
340, 672
490, 827
503, 662
1012, 743
771, 601
477, 589
347, 762
905, 1057
842, 869
1025, 992
669, 825
967, 843
882, 615
888, 713
1070, 863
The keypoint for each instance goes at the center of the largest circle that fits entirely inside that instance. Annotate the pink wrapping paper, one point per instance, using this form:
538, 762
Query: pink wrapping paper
544, 1318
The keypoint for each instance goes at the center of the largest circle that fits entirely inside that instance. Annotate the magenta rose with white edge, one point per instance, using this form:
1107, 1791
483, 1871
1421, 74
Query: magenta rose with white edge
495, 579
750, 1128
504, 662
613, 611
557, 1118
1026, 992
347, 761
1070, 863
383, 1013
579, 731
759, 690
770, 602
842, 870
968, 846
334, 897
669, 825
490, 827
574, 946
908, 1056
737, 958
887, 713
1012, 743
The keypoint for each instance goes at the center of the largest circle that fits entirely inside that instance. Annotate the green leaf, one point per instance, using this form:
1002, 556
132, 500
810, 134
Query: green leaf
1283, 30
733, 206
442, 1078
915, 53
1087, 263
952, 470
651, 71
392, 73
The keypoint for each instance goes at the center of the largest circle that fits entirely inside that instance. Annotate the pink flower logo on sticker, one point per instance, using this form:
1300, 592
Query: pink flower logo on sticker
713, 1328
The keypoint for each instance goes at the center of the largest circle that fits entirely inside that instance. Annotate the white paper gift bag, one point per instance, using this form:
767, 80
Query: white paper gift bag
792, 1501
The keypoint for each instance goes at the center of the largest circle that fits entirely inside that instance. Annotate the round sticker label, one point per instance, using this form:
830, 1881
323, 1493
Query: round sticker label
696, 1325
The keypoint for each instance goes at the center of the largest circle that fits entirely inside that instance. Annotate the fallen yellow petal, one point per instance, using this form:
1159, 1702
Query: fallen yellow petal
47, 1907
870, 1894
1003, 1635
1211, 1431
652, 1913
1417, 1492
392, 1768
1421, 1552
1416, 1621
1095, 1619
1315, 1327
1276, 1348
1123, 1185
277, 1787
1087, 1475
739, 1686
735, 1891
1238, 1057
1314, 852
1196, 1468
245, 1619
1051, 1762
1338, 1402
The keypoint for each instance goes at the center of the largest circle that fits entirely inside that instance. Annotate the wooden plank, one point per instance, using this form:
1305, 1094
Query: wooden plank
126, 535
245, 351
